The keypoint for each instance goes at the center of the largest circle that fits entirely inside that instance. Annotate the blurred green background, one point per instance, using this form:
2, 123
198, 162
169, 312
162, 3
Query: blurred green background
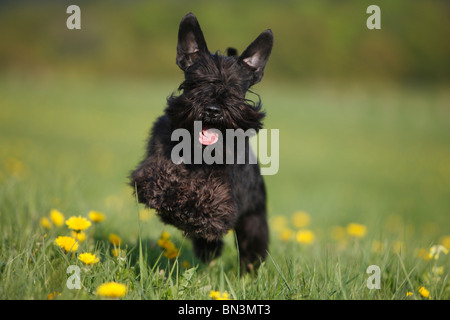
314, 39
363, 114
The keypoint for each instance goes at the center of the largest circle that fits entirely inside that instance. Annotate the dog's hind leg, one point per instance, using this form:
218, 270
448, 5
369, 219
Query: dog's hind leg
252, 235
206, 250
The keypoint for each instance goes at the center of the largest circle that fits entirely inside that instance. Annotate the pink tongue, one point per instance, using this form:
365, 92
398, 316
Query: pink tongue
208, 136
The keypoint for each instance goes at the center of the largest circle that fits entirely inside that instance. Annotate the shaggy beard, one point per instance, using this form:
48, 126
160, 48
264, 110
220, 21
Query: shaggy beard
244, 114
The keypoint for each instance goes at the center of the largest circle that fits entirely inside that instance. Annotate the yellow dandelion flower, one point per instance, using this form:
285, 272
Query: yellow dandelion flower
80, 236
161, 242
116, 252
409, 294
96, 216
305, 236
169, 246
166, 244
171, 254
424, 292
300, 219
115, 239
164, 241
214, 294
422, 254
338, 234
78, 223
446, 242
145, 215
356, 230
217, 295
112, 290
286, 234
279, 223
399, 247
88, 258
57, 217
45, 223
165, 235
53, 294
67, 243
224, 296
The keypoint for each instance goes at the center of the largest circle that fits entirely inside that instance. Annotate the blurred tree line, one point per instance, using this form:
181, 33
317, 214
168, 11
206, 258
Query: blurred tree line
314, 39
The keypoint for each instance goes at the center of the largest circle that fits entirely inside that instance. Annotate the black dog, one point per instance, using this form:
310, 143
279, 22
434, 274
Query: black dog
207, 200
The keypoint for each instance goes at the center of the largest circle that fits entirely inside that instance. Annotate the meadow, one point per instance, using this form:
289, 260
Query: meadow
364, 179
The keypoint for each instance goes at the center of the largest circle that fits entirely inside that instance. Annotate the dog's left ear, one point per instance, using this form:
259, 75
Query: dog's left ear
191, 42
257, 54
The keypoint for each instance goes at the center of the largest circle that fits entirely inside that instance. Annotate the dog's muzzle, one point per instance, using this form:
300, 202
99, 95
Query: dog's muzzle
213, 112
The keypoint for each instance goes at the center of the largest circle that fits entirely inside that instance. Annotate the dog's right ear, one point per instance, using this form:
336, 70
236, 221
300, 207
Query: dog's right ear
191, 42
257, 54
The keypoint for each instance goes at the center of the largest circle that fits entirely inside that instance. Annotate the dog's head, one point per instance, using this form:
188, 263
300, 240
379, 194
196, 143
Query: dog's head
215, 86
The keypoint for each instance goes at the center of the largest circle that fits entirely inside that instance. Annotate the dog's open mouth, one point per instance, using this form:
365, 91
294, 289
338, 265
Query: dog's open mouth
208, 136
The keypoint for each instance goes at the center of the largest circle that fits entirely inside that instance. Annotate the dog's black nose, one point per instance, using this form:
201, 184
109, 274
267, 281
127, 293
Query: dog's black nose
213, 111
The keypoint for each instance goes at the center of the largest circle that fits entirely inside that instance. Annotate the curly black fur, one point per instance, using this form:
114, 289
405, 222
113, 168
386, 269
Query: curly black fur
206, 201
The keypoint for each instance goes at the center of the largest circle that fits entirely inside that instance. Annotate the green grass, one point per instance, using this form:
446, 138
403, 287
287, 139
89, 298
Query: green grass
378, 156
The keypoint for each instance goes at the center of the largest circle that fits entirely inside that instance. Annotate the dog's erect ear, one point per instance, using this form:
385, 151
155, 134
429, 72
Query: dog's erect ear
257, 54
191, 42
231, 52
